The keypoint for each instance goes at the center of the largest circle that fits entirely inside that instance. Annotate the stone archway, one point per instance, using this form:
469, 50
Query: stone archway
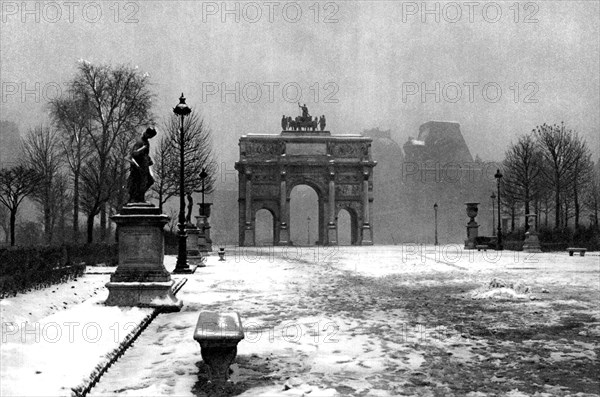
306, 205
265, 227
346, 226
338, 167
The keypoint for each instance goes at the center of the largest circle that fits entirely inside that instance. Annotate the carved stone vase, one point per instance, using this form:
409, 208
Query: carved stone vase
472, 226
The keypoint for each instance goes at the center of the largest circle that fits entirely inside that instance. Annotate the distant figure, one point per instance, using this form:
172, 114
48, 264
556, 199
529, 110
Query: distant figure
140, 175
305, 114
284, 123
322, 123
315, 123
188, 217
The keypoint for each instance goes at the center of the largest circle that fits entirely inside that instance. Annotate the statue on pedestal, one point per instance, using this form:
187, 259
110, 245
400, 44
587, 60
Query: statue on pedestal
322, 122
140, 175
188, 217
305, 114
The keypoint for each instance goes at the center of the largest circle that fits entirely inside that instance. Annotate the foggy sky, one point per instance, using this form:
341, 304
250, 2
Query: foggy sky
369, 54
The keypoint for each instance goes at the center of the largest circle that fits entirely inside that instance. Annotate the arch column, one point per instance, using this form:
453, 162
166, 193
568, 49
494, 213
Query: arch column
331, 225
249, 226
367, 233
284, 213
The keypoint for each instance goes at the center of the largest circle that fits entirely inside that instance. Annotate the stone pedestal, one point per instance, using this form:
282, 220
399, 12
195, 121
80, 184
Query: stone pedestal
284, 234
248, 235
207, 239
202, 242
205, 210
218, 335
367, 235
472, 226
192, 241
141, 278
531, 243
332, 234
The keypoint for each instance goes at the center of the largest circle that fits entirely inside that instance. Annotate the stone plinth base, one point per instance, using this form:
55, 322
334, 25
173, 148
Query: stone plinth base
472, 233
284, 235
248, 237
192, 242
332, 234
532, 243
141, 278
143, 294
218, 335
367, 235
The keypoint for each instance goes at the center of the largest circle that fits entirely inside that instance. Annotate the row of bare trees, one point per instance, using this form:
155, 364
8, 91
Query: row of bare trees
77, 163
550, 171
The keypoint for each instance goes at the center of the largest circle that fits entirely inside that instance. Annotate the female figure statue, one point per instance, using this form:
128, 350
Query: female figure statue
140, 176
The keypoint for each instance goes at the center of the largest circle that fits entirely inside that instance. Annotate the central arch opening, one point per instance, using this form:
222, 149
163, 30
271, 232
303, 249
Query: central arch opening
304, 215
264, 228
344, 228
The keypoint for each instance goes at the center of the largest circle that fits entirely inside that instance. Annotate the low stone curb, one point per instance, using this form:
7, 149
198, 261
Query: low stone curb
86, 386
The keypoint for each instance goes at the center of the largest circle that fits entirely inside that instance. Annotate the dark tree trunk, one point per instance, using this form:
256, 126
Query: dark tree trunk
557, 208
90, 229
103, 222
576, 207
47, 224
76, 208
13, 221
512, 219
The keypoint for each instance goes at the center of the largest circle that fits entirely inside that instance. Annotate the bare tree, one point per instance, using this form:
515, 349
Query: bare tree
120, 171
591, 200
522, 169
42, 153
559, 159
93, 198
5, 222
165, 162
16, 183
71, 115
119, 101
197, 146
582, 175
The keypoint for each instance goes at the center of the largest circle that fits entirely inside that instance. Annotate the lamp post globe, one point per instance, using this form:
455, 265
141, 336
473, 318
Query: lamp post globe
499, 245
182, 110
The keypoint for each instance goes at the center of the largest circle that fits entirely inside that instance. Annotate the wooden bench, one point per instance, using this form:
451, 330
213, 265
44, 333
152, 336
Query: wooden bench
482, 247
580, 250
218, 335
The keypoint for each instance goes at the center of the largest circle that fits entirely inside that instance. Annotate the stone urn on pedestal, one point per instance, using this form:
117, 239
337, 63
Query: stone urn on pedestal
472, 226
141, 278
531, 243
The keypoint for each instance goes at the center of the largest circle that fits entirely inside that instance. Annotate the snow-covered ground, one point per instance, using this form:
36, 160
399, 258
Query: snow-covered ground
380, 321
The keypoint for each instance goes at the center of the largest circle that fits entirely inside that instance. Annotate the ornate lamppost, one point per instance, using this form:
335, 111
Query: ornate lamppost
493, 197
203, 176
499, 246
308, 230
182, 266
435, 209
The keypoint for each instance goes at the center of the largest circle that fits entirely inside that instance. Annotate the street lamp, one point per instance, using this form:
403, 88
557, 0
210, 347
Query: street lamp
499, 246
308, 230
203, 176
182, 266
435, 208
493, 197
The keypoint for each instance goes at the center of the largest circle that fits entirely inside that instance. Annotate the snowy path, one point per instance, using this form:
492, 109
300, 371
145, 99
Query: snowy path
378, 321
348, 323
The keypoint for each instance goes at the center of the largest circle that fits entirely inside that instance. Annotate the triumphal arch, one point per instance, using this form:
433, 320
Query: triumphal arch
338, 167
